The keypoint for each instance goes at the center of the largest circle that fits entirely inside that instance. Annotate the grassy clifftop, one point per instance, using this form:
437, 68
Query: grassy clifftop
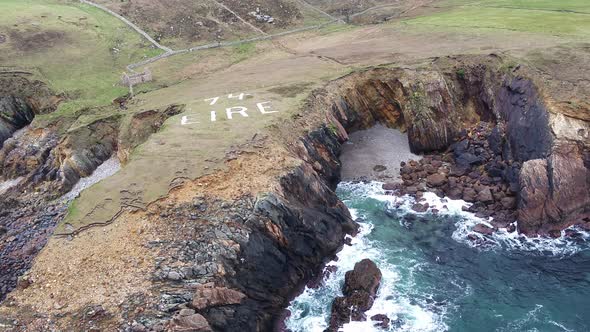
79, 50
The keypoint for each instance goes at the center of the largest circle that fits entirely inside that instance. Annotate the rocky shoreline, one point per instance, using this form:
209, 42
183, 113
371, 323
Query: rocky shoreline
500, 164
517, 161
228, 251
472, 169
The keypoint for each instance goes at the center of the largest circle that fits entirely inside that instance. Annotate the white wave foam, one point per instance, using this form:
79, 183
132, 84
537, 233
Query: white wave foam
318, 300
502, 238
561, 246
533, 317
560, 326
521, 323
311, 310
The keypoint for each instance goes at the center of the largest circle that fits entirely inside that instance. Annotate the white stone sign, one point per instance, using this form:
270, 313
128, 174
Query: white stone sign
234, 112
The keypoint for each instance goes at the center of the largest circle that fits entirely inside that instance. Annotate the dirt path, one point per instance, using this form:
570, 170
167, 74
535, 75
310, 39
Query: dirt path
416, 6
132, 66
130, 24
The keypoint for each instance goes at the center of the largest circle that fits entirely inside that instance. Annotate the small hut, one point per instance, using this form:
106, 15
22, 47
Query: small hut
133, 79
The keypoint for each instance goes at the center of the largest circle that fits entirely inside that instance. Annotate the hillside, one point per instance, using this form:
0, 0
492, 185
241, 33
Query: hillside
185, 23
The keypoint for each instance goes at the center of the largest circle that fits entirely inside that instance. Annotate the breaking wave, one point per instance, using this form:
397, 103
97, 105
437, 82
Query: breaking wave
407, 296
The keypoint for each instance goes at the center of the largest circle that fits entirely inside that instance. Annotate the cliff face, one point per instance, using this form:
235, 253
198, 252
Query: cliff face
435, 107
302, 224
20, 100
555, 191
253, 253
526, 116
226, 252
44, 166
299, 229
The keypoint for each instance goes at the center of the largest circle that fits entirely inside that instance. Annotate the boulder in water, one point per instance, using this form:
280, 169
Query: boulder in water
420, 207
360, 287
483, 229
381, 321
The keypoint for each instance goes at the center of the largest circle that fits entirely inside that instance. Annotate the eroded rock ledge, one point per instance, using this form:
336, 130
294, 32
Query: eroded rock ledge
46, 162
20, 100
228, 251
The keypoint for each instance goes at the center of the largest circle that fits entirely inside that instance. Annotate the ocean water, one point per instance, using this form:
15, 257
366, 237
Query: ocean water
434, 279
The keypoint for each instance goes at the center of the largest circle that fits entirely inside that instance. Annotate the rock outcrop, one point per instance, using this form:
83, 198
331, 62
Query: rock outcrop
434, 107
359, 290
26, 152
555, 192
298, 230
189, 322
15, 114
20, 100
211, 296
56, 164
36, 94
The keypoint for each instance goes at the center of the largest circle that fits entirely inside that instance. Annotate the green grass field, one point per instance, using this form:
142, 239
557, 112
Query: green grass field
80, 50
561, 5
567, 18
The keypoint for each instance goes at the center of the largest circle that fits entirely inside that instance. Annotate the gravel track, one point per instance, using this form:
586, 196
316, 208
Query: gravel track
129, 23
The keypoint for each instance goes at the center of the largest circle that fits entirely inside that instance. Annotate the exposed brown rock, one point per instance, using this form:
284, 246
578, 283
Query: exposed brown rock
455, 193
508, 202
190, 323
469, 195
391, 186
418, 207
365, 276
485, 195
381, 320
436, 180
209, 296
15, 113
554, 192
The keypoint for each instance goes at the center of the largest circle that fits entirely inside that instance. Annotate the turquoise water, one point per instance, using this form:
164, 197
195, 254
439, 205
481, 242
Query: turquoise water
436, 280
